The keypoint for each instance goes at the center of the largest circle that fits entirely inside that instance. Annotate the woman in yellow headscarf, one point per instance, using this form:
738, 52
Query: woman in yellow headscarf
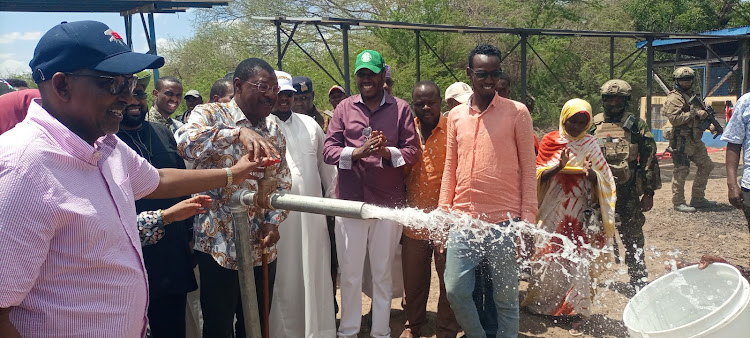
573, 178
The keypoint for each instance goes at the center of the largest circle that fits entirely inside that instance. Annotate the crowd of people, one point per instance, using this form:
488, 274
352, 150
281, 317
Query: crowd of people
100, 236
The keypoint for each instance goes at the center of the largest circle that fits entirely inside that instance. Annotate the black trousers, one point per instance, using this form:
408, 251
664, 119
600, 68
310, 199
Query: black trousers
166, 316
220, 297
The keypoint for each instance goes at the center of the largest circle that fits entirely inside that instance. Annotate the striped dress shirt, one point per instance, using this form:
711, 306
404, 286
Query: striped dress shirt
70, 254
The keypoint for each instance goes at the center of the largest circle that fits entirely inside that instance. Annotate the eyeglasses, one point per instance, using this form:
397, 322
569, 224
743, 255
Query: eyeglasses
264, 87
481, 75
114, 84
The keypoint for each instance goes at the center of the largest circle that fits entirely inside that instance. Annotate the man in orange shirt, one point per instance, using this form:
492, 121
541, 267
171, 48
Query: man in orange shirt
422, 191
489, 174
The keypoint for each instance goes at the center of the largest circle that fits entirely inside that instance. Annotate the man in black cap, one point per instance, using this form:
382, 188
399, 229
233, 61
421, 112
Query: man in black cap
304, 101
70, 251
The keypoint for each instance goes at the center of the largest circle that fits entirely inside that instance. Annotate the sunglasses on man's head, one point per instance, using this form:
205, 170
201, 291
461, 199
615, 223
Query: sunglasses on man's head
481, 75
114, 84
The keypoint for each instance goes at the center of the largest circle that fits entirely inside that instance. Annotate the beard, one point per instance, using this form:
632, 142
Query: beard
283, 115
132, 122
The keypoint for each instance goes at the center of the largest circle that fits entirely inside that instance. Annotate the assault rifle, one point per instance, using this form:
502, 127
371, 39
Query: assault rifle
711, 119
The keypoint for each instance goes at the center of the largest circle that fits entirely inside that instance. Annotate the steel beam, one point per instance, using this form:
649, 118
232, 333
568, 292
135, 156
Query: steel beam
416, 46
438, 57
611, 57
347, 76
649, 78
279, 54
523, 67
152, 30
325, 42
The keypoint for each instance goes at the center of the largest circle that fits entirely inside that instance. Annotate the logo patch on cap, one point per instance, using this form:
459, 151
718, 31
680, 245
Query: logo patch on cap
303, 87
366, 57
114, 37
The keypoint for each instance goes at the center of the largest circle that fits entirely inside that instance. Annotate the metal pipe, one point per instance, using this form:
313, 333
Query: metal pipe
244, 246
315, 205
244, 199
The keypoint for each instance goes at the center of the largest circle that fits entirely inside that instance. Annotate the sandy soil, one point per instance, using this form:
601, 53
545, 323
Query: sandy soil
669, 234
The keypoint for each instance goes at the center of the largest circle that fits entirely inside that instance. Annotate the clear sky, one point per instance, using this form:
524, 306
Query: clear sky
20, 32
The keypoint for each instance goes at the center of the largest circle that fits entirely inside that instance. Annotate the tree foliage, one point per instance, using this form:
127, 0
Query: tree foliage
558, 68
682, 15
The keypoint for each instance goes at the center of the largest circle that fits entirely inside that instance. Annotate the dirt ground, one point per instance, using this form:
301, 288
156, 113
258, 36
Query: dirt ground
669, 234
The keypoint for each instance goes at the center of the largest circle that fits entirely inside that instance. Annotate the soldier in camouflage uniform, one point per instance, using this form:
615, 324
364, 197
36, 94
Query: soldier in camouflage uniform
684, 134
630, 150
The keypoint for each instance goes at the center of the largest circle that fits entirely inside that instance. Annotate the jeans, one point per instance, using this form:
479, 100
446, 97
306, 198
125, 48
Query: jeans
483, 297
465, 251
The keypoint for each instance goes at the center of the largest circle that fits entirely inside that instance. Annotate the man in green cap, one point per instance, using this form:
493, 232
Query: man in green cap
371, 137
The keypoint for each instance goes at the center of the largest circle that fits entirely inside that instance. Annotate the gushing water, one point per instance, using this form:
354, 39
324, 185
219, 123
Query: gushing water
437, 224
583, 256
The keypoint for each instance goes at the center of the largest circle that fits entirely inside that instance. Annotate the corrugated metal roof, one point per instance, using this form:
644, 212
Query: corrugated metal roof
735, 32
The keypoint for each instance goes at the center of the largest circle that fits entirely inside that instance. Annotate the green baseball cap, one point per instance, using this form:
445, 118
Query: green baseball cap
371, 60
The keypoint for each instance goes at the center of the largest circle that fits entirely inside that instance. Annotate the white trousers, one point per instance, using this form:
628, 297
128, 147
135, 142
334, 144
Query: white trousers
354, 240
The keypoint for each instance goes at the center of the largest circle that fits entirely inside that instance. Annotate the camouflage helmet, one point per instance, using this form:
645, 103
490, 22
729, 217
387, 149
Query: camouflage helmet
683, 73
616, 88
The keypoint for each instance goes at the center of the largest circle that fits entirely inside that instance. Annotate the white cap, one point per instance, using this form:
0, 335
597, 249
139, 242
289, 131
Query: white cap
458, 91
285, 81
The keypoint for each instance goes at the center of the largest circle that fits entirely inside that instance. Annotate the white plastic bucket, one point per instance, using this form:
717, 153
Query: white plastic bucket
714, 302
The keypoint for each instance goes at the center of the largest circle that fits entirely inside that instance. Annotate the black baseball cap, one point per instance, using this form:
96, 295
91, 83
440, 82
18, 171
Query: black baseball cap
302, 84
71, 46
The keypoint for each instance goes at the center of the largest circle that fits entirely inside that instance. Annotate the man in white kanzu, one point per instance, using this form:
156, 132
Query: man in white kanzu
302, 301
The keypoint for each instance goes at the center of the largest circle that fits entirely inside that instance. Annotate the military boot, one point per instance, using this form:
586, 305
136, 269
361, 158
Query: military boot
684, 208
702, 203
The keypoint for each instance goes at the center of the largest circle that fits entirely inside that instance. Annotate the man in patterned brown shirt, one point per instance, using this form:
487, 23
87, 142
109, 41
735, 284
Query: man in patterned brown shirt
213, 138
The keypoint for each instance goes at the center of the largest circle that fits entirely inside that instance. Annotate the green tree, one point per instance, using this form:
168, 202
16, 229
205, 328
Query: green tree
681, 15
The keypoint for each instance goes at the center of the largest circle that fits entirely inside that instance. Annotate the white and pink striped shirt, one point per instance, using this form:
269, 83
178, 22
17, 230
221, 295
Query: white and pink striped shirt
70, 255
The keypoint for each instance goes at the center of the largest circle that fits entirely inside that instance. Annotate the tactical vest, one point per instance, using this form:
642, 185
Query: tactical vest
618, 147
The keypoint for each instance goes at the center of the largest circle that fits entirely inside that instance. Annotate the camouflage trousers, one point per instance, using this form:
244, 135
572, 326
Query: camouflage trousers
686, 151
630, 221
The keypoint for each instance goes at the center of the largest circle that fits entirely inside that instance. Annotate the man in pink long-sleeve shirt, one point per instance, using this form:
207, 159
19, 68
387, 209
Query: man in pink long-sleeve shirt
490, 175
71, 263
